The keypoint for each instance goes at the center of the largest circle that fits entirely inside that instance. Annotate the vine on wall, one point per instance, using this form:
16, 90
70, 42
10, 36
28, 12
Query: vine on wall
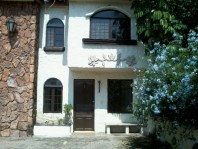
129, 60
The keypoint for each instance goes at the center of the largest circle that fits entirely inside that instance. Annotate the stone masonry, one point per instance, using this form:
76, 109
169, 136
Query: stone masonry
18, 68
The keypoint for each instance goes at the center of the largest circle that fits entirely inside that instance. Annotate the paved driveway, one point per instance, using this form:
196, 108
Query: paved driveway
75, 141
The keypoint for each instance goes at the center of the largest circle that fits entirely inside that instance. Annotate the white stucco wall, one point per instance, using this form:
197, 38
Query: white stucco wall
73, 62
79, 28
51, 64
102, 116
79, 53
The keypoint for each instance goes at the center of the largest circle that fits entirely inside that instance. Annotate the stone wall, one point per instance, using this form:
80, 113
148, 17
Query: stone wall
18, 68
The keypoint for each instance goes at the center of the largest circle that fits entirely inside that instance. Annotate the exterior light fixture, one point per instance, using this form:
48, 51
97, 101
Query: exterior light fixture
11, 25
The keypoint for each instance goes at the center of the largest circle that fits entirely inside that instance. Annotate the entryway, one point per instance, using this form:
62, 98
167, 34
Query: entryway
84, 104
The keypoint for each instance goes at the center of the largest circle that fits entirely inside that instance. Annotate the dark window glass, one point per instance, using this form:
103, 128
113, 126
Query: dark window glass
52, 96
110, 24
120, 96
55, 33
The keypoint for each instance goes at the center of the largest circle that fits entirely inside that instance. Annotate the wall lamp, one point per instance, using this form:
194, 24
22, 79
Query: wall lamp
11, 25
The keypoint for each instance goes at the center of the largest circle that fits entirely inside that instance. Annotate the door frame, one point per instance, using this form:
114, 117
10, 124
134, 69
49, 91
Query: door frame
93, 103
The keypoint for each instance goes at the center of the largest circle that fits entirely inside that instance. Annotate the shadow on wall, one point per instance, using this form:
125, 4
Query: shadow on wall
125, 118
124, 56
70, 89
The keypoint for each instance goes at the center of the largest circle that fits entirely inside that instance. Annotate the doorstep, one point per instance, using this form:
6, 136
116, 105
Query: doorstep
52, 131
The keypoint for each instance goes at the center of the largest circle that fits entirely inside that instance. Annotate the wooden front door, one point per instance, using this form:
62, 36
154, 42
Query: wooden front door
84, 104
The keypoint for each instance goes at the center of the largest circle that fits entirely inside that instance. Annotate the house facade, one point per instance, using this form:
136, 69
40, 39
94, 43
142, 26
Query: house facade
88, 50
78, 52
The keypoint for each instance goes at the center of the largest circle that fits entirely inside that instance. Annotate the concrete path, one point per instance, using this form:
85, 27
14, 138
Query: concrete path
75, 141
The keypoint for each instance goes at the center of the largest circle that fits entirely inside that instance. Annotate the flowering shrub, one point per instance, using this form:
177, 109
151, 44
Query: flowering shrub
168, 88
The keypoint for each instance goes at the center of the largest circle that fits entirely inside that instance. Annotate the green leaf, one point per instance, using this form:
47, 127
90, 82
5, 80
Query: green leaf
147, 33
157, 15
139, 14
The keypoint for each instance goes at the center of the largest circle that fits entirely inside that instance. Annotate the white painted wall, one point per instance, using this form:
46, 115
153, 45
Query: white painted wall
52, 131
79, 53
79, 28
73, 62
51, 64
101, 114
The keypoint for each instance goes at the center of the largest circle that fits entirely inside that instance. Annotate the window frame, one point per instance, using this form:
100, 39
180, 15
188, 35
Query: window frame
54, 47
108, 102
46, 88
110, 39
110, 22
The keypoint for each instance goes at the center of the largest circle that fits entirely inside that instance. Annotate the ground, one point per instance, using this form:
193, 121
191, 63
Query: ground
76, 141
85, 141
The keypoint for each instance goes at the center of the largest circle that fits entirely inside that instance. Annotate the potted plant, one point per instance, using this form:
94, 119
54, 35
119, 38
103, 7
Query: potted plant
68, 113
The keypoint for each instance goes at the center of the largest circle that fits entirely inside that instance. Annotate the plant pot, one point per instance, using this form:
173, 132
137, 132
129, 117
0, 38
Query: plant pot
68, 120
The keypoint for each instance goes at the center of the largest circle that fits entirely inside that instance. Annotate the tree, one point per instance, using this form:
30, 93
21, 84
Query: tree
168, 87
157, 20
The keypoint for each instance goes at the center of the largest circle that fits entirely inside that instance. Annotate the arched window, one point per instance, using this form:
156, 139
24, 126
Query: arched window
52, 96
55, 33
110, 24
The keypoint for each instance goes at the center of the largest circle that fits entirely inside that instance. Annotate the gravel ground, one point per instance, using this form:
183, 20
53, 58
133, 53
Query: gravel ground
75, 141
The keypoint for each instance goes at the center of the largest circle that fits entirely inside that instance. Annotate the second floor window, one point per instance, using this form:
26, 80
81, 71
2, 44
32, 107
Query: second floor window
110, 24
55, 33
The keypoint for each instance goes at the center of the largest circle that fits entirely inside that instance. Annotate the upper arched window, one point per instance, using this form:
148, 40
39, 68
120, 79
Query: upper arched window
55, 33
110, 24
52, 96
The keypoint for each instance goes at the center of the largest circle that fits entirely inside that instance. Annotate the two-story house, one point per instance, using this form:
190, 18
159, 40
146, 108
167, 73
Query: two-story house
87, 52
